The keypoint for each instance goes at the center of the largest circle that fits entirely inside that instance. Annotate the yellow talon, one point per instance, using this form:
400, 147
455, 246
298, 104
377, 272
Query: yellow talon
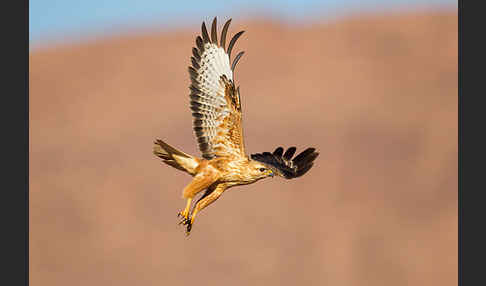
185, 212
193, 216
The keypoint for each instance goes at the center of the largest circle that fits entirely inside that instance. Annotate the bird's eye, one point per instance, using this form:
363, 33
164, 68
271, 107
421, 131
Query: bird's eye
262, 169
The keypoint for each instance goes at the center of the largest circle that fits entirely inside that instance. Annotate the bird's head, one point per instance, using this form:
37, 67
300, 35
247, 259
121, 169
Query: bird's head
259, 171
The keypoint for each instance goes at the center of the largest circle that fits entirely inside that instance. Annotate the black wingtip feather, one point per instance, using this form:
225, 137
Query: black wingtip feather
214, 34
289, 153
204, 33
304, 154
232, 42
223, 34
235, 61
278, 152
307, 159
283, 165
304, 170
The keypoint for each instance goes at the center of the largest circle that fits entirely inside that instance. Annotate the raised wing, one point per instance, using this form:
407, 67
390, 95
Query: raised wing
284, 165
215, 101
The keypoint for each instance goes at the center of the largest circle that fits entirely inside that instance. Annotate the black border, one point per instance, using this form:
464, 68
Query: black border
459, 144
15, 143
471, 152
26, 146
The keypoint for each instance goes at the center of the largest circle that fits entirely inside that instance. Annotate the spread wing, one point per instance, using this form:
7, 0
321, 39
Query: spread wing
284, 165
215, 101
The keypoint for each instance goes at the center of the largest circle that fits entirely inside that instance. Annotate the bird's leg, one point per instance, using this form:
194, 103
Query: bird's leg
199, 183
203, 202
206, 193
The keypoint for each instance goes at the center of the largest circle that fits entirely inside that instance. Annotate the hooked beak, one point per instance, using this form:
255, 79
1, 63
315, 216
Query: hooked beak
270, 173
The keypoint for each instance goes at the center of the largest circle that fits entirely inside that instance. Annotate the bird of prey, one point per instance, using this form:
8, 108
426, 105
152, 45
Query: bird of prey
216, 110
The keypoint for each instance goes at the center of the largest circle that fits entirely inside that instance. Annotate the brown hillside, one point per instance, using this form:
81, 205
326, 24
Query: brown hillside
377, 96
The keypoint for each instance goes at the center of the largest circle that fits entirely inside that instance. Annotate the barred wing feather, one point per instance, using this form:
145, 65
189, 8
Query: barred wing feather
215, 101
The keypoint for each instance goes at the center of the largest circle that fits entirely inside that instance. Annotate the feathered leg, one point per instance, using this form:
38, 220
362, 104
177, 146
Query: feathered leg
200, 182
206, 200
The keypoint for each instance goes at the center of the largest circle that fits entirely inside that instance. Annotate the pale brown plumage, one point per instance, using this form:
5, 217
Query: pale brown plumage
216, 106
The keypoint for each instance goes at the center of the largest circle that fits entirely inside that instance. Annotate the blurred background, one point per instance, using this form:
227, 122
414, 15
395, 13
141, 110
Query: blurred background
372, 84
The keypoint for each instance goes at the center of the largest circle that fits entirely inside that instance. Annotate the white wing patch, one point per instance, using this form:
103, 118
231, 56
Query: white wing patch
214, 63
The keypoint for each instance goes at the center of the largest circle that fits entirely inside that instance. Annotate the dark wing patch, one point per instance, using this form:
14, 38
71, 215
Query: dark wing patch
283, 165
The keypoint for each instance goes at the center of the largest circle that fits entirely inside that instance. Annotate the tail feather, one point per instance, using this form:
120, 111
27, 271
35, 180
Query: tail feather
175, 158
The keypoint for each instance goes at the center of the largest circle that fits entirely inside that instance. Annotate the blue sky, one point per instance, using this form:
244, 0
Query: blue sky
73, 19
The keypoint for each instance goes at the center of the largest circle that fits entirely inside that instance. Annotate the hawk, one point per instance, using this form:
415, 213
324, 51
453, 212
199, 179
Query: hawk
216, 109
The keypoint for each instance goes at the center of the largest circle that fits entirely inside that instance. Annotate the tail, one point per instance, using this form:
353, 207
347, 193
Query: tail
175, 158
